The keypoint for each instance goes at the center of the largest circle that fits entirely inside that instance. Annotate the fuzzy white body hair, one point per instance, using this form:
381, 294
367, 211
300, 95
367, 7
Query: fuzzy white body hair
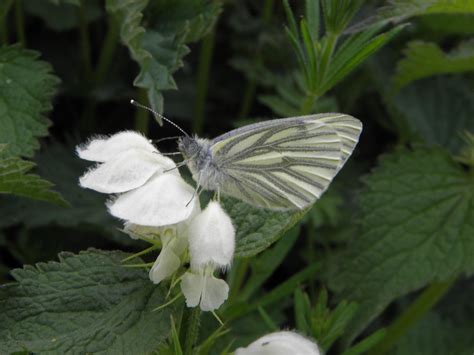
201, 162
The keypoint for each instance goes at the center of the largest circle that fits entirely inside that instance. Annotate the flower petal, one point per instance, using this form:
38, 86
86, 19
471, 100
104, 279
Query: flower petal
211, 237
165, 199
136, 231
102, 149
280, 343
125, 172
214, 293
191, 286
165, 265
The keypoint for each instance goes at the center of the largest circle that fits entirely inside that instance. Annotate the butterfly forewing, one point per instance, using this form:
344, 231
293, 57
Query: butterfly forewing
286, 163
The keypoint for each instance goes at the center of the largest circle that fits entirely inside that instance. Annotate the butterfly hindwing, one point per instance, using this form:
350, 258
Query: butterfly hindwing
286, 163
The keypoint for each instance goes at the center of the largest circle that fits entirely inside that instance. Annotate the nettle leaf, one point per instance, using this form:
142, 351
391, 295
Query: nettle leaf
159, 51
15, 180
434, 335
257, 228
417, 227
85, 303
424, 59
438, 109
27, 86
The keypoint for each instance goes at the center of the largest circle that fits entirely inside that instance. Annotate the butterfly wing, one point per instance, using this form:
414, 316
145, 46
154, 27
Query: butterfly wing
285, 163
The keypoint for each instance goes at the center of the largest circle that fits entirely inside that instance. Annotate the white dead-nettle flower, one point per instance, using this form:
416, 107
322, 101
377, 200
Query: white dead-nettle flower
174, 244
211, 247
152, 192
280, 343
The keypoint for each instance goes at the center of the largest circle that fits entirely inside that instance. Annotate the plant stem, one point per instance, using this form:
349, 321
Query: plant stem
20, 23
192, 330
308, 103
4, 21
417, 309
108, 50
251, 86
85, 44
141, 115
235, 283
205, 61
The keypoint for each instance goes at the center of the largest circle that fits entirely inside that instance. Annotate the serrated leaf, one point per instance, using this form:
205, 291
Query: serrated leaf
417, 227
14, 179
159, 51
85, 303
434, 335
438, 109
257, 228
27, 86
424, 59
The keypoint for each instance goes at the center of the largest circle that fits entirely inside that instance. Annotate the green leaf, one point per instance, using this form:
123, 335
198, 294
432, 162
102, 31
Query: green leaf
338, 13
435, 335
423, 59
264, 266
85, 303
353, 52
399, 10
257, 228
15, 180
27, 86
159, 51
438, 109
417, 223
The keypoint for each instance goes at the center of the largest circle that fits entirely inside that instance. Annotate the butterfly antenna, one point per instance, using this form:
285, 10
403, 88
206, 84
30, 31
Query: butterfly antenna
133, 102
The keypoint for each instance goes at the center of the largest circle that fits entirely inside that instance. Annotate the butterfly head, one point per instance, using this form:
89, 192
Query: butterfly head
189, 147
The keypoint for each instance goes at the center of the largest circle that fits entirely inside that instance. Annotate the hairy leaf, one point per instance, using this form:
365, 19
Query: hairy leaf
14, 179
159, 51
258, 228
438, 109
27, 86
423, 59
417, 227
85, 303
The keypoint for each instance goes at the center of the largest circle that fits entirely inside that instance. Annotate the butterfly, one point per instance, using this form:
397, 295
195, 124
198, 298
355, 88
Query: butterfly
278, 164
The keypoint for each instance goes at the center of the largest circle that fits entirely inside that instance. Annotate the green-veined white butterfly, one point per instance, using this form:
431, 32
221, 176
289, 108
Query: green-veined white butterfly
278, 164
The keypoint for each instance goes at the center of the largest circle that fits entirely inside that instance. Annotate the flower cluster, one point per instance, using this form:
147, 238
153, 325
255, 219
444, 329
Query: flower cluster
159, 206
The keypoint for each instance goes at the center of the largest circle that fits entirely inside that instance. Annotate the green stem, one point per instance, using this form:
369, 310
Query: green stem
237, 279
141, 115
251, 87
108, 50
85, 44
192, 331
205, 61
20, 23
423, 303
308, 103
4, 21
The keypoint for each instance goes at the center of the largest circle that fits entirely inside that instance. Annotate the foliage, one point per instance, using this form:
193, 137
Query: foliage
381, 264
109, 307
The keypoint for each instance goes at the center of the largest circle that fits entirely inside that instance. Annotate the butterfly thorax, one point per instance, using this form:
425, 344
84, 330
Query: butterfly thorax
200, 161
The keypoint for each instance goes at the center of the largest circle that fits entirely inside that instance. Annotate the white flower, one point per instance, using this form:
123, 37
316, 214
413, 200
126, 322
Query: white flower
152, 191
211, 246
280, 343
